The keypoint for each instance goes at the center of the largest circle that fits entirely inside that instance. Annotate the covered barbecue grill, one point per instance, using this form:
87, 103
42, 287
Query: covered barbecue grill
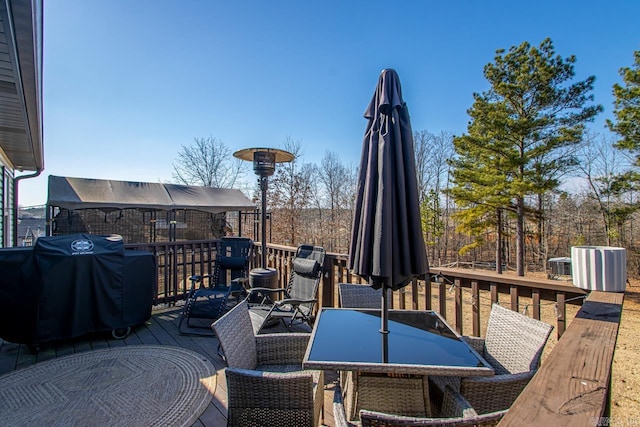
68, 286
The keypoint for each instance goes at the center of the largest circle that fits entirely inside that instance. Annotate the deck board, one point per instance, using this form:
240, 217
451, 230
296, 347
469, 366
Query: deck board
161, 329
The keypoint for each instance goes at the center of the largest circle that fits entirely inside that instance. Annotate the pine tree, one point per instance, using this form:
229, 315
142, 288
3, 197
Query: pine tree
627, 123
517, 137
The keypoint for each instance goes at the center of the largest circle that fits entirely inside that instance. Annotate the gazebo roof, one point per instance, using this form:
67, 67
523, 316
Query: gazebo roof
85, 193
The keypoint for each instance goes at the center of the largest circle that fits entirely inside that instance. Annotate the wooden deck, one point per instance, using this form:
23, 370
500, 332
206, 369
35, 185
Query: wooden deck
571, 388
161, 329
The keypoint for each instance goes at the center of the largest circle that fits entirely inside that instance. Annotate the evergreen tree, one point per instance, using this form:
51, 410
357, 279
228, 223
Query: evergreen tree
517, 136
627, 123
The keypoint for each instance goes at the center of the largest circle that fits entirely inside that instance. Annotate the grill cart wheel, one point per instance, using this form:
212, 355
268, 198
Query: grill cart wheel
121, 333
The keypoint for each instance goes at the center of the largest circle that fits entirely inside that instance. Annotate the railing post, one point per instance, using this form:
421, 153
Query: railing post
494, 292
513, 292
427, 292
328, 284
561, 313
442, 298
475, 295
458, 305
340, 272
414, 294
535, 300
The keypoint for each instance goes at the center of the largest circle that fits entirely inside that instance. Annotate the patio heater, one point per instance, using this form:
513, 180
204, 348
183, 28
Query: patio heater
264, 165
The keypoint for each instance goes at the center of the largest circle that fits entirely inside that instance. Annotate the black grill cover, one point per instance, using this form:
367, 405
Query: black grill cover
140, 286
19, 284
82, 285
67, 286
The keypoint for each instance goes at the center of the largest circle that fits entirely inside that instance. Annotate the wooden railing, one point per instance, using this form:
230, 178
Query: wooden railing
177, 261
571, 388
482, 287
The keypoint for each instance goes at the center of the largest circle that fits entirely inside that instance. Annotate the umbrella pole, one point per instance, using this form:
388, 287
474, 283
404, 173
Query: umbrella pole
384, 330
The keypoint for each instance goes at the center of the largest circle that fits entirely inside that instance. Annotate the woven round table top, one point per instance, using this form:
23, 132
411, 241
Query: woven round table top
138, 385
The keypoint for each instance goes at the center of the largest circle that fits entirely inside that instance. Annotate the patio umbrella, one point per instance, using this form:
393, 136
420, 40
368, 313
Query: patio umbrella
387, 246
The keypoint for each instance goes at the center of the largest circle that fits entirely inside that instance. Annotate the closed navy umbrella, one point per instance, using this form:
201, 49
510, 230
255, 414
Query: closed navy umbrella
387, 245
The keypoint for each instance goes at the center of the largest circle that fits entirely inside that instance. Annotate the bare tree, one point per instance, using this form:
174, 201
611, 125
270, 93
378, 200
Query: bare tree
208, 162
289, 193
432, 152
600, 165
337, 180
315, 220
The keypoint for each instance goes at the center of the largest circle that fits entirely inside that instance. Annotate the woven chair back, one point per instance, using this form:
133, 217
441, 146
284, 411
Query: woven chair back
235, 333
360, 296
514, 342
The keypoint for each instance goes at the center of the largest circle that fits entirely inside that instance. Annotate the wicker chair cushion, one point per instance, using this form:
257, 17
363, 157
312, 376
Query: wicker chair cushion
306, 266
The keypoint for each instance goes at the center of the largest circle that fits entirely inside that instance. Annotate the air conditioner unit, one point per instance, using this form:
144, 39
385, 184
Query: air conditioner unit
599, 268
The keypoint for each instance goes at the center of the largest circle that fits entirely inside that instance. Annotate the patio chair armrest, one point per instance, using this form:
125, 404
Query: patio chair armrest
455, 405
339, 412
461, 413
240, 280
268, 290
197, 282
476, 343
200, 277
496, 393
266, 294
503, 379
281, 348
294, 302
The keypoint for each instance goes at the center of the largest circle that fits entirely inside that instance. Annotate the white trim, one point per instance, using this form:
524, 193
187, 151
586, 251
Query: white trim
4, 160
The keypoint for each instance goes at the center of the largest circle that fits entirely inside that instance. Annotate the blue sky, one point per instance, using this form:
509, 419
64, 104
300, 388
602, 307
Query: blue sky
127, 82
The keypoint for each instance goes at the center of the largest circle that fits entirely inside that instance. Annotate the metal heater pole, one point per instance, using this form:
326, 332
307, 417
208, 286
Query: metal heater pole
263, 188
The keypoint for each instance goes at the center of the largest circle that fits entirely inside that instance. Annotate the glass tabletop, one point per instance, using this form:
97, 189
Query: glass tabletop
351, 338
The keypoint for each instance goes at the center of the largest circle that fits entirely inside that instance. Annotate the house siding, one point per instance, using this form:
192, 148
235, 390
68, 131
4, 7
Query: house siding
6, 210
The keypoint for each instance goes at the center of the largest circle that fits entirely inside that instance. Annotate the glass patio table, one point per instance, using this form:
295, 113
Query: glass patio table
418, 342
389, 372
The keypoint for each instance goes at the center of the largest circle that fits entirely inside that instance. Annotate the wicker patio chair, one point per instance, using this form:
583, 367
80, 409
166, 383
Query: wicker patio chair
513, 345
259, 398
455, 411
265, 380
299, 296
211, 295
359, 296
364, 391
